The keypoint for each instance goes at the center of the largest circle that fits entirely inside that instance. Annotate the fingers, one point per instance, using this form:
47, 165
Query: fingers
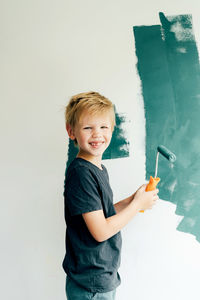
156, 191
147, 199
155, 198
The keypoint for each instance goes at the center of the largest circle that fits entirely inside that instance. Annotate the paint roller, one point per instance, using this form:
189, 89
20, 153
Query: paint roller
153, 181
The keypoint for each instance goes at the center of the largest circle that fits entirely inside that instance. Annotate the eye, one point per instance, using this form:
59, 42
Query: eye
87, 127
104, 127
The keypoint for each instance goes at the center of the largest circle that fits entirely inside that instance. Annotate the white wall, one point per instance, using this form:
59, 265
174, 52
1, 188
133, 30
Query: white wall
49, 51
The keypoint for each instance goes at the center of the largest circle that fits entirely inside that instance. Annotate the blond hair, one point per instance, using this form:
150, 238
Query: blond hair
91, 102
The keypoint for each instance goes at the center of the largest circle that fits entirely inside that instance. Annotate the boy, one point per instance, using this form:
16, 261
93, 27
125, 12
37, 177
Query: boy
93, 238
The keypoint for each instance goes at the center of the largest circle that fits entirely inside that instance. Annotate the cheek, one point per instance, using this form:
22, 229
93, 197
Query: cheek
109, 136
83, 138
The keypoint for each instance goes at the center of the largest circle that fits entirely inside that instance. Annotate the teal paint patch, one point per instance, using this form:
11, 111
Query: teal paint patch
118, 148
168, 66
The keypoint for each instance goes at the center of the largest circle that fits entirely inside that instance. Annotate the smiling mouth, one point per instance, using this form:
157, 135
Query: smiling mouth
96, 144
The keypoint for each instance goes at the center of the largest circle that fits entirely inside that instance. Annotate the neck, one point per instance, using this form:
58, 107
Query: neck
96, 162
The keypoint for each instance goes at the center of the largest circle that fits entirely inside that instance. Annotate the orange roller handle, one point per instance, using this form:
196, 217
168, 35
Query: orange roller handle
151, 185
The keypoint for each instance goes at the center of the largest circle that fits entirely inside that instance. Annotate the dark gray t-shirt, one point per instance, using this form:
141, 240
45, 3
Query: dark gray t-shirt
92, 264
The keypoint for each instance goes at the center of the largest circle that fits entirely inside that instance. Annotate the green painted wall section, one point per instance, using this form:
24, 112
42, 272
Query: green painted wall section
168, 66
118, 148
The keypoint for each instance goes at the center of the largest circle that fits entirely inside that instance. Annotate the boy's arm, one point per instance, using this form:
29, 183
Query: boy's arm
123, 203
103, 228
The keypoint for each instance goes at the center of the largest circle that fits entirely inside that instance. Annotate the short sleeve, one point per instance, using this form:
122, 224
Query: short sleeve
82, 193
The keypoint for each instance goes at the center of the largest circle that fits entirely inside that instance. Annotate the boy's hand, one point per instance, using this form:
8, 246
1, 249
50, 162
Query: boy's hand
145, 200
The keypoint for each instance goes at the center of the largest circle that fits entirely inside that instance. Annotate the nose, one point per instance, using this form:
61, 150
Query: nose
96, 132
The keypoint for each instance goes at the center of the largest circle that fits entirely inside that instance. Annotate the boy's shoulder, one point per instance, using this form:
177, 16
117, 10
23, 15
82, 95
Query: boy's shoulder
78, 165
83, 171
82, 165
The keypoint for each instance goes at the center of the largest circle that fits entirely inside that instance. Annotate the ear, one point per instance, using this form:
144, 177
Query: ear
70, 132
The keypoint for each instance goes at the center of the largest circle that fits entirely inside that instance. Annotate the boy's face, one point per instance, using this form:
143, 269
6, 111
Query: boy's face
93, 134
